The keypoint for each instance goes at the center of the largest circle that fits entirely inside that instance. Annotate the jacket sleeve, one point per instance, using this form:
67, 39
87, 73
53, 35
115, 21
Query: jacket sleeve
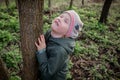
49, 66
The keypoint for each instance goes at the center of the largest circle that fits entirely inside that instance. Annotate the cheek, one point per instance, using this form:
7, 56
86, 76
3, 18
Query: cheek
64, 29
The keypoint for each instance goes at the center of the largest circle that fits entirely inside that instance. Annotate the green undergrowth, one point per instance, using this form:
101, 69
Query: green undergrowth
97, 43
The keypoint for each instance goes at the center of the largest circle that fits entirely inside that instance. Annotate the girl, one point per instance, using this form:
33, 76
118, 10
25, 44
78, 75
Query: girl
58, 43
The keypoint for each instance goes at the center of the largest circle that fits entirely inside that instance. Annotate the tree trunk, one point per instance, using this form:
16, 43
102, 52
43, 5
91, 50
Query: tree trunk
82, 2
31, 22
3, 71
7, 3
16, 2
105, 10
71, 3
49, 6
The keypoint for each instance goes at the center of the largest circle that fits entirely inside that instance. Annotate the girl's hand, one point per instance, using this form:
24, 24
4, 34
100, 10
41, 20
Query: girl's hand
41, 43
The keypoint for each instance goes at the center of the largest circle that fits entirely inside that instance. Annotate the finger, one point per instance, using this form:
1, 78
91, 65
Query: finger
36, 44
39, 41
42, 38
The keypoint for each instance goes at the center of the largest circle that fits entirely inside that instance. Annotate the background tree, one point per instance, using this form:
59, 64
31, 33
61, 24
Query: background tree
16, 4
71, 3
31, 22
105, 10
82, 2
49, 6
7, 3
3, 71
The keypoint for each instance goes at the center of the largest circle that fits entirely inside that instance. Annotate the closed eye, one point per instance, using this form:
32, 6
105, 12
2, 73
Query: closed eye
66, 21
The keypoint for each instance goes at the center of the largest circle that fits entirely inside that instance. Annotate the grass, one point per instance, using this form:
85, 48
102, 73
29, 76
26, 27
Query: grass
97, 48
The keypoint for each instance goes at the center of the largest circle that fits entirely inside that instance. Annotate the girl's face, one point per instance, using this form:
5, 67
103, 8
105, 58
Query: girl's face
60, 24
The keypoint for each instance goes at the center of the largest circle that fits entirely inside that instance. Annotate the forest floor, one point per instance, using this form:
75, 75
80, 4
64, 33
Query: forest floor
97, 51
99, 62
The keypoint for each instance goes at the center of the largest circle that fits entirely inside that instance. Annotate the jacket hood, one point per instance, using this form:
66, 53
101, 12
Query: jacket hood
67, 43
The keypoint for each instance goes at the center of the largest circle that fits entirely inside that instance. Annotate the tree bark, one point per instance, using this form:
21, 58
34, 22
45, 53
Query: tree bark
105, 10
3, 71
71, 3
31, 23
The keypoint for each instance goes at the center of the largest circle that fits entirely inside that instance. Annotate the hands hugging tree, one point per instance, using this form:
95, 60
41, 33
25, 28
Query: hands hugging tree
40, 44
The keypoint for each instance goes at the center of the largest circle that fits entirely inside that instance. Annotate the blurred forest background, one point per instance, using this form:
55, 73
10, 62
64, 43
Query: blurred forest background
97, 51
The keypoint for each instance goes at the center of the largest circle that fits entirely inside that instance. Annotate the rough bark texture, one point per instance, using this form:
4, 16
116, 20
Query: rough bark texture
31, 22
3, 71
105, 10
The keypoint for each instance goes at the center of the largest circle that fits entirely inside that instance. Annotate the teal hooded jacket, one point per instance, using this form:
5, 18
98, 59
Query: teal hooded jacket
54, 59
